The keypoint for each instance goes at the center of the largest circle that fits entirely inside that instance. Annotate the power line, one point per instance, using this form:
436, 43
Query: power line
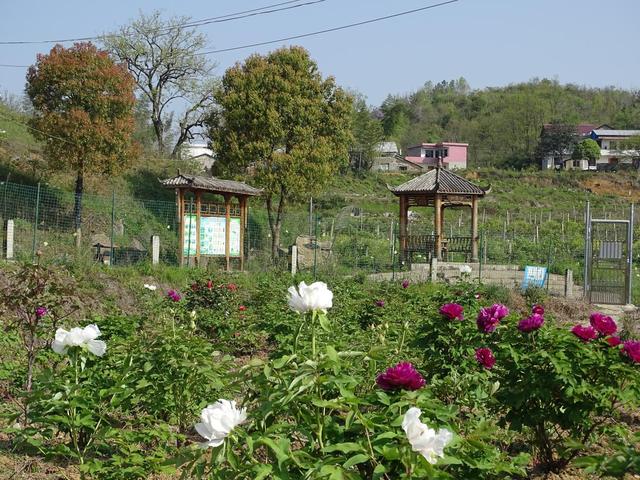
193, 23
327, 30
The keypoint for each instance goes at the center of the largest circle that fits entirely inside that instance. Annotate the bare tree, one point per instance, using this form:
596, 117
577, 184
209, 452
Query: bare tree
162, 55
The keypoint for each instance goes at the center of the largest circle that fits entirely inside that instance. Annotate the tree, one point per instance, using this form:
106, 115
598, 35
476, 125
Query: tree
162, 55
278, 115
83, 105
587, 149
556, 140
366, 131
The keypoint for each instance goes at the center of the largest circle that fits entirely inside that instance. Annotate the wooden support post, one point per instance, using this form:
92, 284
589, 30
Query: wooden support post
243, 225
180, 200
198, 213
474, 228
403, 228
227, 230
437, 204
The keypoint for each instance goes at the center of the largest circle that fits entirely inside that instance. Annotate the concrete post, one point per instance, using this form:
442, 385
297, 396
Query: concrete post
568, 283
10, 231
433, 272
78, 236
155, 250
294, 260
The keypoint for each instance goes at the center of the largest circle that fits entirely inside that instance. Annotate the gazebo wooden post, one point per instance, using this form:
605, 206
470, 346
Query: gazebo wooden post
227, 230
180, 195
437, 206
474, 228
198, 212
403, 227
243, 221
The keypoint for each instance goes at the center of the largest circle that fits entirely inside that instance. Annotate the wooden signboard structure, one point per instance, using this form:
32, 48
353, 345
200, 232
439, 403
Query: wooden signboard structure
210, 229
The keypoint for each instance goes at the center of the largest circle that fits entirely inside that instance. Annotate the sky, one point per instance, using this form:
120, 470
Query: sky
488, 42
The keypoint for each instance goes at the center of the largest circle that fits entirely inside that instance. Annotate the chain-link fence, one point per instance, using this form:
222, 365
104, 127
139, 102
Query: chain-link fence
349, 241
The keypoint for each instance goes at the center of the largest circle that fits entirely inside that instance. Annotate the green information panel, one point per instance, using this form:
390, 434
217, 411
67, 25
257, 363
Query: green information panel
212, 236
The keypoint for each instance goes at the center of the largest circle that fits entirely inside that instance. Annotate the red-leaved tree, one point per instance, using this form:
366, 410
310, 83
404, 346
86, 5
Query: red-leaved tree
83, 104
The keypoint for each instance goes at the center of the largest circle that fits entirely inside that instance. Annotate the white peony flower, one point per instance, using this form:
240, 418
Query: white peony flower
79, 337
218, 420
424, 440
465, 269
310, 297
150, 287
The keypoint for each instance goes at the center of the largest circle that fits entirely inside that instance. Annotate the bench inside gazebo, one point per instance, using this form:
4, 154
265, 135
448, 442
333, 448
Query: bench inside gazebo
441, 189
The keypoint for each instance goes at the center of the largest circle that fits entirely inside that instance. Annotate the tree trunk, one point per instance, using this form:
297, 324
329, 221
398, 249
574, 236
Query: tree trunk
77, 207
158, 128
275, 223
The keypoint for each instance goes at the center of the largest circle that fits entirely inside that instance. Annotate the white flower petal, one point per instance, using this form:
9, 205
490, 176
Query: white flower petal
97, 347
91, 332
58, 347
218, 420
423, 439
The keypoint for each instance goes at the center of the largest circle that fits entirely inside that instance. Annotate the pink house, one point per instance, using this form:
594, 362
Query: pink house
454, 155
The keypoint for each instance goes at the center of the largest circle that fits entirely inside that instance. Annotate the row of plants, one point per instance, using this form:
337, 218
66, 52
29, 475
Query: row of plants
356, 381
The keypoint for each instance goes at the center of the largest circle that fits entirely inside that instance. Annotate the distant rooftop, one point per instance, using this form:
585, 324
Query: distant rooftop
615, 133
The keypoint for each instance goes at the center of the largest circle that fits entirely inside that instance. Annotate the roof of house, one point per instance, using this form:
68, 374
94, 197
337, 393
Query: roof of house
400, 159
439, 180
387, 147
601, 132
582, 129
438, 144
211, 184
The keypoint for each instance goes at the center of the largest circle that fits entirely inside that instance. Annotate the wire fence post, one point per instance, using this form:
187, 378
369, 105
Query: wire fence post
315, 250
189, 235
393, 252
4, 198
549, 264
113, 221
35, 223
482, 249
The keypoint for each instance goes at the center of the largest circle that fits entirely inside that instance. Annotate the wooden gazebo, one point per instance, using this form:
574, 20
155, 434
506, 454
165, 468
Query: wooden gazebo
438, 188
210, 229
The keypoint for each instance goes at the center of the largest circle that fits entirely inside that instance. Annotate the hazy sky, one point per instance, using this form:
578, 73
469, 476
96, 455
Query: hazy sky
489, 42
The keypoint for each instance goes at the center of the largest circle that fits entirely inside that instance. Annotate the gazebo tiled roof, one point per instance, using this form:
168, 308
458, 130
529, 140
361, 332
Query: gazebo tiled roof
211, 184
438, 180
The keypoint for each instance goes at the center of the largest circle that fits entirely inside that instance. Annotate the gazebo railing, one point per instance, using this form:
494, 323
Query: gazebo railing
419, 248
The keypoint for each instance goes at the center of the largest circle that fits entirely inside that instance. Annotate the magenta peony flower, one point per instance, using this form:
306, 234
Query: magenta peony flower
485, 357
452, 311
613, 341
631, 348
379, 303
174, 296
402, 376
531, 323
603, 324
537, 309
586, 334
405, 284
41, 312
499, 311
486, 321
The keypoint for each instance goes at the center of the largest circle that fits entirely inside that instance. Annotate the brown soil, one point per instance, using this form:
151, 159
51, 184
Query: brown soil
625, 187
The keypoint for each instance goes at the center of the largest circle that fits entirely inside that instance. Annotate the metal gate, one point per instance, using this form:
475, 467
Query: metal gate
608, 259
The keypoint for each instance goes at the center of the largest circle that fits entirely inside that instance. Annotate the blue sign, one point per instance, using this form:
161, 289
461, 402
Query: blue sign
534, 277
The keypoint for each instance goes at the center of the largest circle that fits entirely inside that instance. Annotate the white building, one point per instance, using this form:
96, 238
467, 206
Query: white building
200, 152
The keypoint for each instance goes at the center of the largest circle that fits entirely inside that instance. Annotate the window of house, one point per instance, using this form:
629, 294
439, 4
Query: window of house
428, 153
384, 167
576, 163
402, 168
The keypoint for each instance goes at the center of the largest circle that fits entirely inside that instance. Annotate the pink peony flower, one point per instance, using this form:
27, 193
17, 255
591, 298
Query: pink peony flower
631, 348
452, 311
499, 311
380, 303
613, 341
242, 308
537, 309
486, 322
405, 284
174, 296
209, 284
41, 312
603, 324
401, 377
485, 357
232, 287
531, 323
586, 334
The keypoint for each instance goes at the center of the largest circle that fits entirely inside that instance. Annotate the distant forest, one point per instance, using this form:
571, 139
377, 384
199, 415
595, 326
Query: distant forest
502, 125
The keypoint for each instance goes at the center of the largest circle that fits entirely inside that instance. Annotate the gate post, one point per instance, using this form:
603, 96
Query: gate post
629, 255
587, 250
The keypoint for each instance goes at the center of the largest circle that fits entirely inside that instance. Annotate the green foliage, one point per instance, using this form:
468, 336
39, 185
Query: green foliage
587, 149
